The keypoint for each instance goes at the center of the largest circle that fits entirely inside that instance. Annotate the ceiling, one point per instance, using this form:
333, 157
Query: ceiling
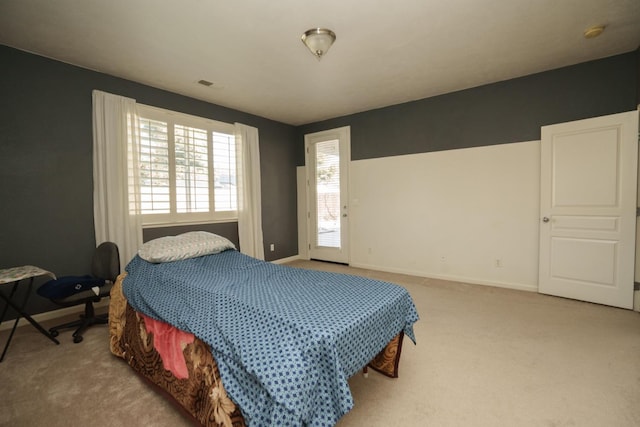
386, 52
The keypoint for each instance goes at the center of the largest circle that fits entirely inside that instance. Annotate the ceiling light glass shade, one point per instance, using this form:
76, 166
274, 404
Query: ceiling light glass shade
593, 32
318, 40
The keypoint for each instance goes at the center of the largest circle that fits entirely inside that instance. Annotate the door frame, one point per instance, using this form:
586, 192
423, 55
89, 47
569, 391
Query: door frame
343, 134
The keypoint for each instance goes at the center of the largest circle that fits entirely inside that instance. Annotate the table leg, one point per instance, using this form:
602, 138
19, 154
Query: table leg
6, 306
21, 313
6, 346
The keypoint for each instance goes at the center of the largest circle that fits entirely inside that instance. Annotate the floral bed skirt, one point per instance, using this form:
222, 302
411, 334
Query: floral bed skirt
191, 378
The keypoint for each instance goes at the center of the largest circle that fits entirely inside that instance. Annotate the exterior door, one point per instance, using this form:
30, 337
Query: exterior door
588, 209
327, 159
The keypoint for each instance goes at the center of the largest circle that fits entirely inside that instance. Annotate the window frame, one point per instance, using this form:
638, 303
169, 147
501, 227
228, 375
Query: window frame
173, 118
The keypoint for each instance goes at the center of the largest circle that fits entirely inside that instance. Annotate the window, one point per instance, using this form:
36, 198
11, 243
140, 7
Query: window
187, 168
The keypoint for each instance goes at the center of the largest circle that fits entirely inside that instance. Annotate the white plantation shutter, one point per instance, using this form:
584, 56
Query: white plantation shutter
187, 168
192, 169
154, 167
224, 167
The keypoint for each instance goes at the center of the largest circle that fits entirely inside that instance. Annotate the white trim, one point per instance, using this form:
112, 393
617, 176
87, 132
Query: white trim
172, 119
506, 285
285, 260
452, 278
636, 294
180, 224
303, 212
195, 218
50, 315
158, 113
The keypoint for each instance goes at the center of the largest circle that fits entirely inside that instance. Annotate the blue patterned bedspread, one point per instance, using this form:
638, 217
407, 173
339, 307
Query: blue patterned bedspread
285, 339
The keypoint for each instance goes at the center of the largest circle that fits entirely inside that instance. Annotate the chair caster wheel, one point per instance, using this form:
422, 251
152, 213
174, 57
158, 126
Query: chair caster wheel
77, 339
53, 333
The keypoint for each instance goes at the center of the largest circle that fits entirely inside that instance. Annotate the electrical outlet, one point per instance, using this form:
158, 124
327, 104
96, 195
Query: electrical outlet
498, 263
272, 247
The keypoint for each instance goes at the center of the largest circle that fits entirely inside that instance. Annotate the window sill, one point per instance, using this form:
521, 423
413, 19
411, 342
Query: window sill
184, 223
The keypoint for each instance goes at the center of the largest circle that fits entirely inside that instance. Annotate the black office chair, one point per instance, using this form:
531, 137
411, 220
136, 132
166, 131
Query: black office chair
75, 290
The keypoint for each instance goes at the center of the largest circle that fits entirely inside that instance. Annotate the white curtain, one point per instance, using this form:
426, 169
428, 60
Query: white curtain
249, 188
116, 202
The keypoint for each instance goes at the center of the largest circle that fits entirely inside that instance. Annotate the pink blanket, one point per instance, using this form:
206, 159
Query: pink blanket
169, 342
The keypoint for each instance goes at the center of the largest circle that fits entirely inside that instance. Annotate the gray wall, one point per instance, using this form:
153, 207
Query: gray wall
45, 151
46, 181
504, 112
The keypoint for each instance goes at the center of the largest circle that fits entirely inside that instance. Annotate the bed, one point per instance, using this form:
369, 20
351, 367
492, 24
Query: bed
237, 341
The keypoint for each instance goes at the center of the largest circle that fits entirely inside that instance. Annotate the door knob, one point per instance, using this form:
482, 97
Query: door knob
545, 219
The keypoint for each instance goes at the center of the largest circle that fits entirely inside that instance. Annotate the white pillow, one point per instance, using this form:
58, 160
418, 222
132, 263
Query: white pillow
183, 246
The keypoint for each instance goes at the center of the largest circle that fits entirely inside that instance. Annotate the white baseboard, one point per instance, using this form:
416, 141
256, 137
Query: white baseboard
54, 314
452, 278
285, 260
507, 285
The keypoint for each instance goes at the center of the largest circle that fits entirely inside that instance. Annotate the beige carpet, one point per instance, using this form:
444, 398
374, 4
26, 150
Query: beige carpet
485, 357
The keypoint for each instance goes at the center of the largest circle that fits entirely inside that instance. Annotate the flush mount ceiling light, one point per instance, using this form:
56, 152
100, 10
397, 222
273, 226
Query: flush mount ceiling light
593, 32
318, 40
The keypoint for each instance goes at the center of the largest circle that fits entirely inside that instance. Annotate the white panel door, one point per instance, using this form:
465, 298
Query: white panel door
588, 209
327, 160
